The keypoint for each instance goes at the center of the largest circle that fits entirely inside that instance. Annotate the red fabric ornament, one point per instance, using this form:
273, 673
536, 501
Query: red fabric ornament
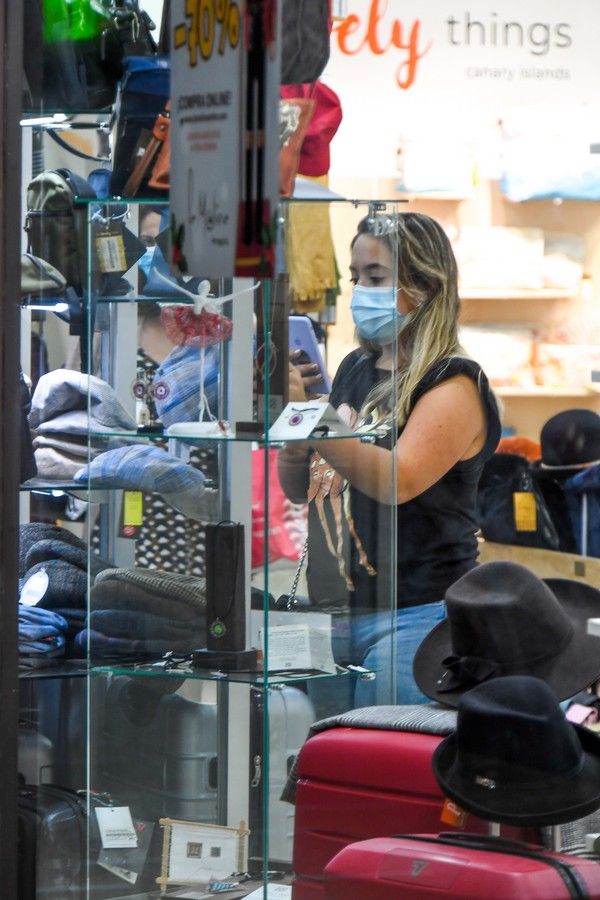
186, 328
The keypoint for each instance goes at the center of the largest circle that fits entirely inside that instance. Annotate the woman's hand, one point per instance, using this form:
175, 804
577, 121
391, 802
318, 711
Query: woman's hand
302, 377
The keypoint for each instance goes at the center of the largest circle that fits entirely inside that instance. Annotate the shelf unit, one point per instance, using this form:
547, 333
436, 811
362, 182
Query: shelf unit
245, 731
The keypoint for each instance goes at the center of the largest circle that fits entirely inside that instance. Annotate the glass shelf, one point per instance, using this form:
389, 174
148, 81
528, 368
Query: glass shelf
255, 679
48, 486
56, 119
67, 668
250, 437
285, 201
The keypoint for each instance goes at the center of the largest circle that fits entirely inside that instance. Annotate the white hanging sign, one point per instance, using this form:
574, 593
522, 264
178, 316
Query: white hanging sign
224, 136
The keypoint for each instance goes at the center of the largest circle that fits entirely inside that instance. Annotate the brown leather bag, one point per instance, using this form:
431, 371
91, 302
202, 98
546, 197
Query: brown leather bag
298, 111
154, 159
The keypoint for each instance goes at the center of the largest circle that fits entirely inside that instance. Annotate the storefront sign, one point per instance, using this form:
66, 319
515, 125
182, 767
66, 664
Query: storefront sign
404, 68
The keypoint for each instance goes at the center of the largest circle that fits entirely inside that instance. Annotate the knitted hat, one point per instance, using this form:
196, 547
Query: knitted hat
32, 532
67, 584
49, 548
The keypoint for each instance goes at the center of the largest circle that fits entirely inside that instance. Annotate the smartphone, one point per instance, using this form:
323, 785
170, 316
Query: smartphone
302, 337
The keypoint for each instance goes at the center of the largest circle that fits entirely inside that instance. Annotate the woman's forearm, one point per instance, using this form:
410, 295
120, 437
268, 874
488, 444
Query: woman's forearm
370, 469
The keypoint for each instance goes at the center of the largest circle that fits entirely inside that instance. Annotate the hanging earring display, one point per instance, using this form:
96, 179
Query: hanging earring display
160, 390
141, 389
301, 419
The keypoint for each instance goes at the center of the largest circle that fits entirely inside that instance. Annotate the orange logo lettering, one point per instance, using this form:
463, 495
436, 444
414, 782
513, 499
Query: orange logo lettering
354, 35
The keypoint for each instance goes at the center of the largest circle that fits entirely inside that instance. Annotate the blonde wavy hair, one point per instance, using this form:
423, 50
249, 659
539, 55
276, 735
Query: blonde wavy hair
426, 270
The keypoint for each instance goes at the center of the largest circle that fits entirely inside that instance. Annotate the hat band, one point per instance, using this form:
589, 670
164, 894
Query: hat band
466, 671
492, 777
571, 466
463, 671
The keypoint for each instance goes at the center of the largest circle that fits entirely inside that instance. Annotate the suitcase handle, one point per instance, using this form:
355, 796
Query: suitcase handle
574, 883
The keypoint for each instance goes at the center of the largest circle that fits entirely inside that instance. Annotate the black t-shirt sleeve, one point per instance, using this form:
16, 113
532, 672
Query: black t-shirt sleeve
353, 380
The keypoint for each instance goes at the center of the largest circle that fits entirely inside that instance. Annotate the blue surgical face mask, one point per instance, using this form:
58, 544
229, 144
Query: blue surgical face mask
375, 313
145, 263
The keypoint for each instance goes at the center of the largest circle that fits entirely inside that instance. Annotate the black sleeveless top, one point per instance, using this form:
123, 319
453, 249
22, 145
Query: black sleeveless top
435, 537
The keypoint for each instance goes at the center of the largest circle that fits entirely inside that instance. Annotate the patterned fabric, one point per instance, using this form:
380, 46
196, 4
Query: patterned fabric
572, 836
49, 548
422, 718
143, 467
32, 532
177, 384
168, 540
148, 590
67, 584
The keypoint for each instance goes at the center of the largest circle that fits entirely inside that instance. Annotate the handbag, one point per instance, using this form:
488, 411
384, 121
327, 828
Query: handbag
40, 278
324, 122
75, 51
154, 162
294, 118
305, 32
511, 507
142, 97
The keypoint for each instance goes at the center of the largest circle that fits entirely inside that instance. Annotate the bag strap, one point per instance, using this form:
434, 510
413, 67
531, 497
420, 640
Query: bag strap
291, 597
576, 886
79, 153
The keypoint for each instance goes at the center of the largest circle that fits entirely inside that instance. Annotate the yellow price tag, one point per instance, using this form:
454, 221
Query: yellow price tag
133, 508
525, 511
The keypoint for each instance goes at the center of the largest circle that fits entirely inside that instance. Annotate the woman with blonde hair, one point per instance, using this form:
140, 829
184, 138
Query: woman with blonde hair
392, 522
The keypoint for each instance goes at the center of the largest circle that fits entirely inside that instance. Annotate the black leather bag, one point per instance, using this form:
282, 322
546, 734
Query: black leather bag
505, 476
74, 53
225, 594
305, 31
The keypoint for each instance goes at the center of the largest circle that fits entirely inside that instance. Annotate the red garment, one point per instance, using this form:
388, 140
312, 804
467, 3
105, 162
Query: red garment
325, 121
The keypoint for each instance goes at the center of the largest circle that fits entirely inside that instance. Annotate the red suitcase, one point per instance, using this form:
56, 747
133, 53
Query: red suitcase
356, 783
457, 867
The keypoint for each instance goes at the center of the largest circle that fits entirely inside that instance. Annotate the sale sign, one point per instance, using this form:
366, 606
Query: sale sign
224, 136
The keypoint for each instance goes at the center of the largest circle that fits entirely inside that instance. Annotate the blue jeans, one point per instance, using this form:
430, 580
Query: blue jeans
376, 640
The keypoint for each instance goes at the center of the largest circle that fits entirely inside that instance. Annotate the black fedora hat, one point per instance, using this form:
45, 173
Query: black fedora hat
504, 620
515, 759
570, 440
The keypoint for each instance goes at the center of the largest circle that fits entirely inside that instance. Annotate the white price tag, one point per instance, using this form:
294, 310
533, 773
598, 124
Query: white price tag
34, 588
299, 646
116, 827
